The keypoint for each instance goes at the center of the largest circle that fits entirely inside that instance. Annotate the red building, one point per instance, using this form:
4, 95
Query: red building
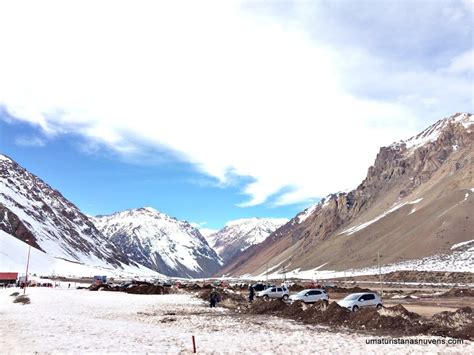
8, 277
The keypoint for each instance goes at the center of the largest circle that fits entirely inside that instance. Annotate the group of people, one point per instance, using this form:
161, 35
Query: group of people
214, 297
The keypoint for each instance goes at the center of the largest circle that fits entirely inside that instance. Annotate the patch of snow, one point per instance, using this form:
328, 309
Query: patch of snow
4, 158
458, 245
359, 227
303, 216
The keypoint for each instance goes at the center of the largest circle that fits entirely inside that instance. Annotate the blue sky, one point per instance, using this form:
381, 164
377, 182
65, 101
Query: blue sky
223, 110
102, 182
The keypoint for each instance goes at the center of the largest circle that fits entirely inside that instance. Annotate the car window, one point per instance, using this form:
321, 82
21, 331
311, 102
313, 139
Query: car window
279, 290
352, 297
316, 292
369, 297
361, 299
273, 290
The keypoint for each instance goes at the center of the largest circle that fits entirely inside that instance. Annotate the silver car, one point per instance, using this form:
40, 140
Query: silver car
274, 292
356, 301
310, 296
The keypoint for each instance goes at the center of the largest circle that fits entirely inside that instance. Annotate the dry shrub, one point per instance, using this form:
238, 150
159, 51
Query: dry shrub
23, 299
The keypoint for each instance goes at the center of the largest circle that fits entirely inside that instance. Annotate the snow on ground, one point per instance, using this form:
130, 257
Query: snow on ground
81, 321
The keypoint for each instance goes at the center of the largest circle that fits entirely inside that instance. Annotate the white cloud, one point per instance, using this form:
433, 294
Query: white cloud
463, 63
230, 93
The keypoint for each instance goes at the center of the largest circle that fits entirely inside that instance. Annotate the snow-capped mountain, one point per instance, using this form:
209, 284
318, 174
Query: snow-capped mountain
31, 210
416, 202
160, 242
238, 235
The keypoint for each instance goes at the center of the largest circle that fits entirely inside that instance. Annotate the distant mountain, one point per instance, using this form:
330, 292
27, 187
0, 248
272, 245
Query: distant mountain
240, 234
417, 201
32, 210
160, 242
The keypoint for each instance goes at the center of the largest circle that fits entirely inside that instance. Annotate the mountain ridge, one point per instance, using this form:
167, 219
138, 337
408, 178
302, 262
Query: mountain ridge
238, 235
435, 165
160, 242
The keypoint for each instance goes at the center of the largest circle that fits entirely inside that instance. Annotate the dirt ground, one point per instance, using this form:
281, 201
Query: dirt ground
406, 312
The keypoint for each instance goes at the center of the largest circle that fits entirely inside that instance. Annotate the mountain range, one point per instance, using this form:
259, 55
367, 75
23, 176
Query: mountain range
240, 234
415, 203
160, 242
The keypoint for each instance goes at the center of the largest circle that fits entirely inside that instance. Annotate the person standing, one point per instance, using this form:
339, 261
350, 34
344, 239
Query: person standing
251, 294
214, 297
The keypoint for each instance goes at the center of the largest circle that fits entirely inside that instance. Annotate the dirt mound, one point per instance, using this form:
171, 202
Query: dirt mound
458, 319
333, 314
458, 324
398, 311
295, 310
273, 307
147, 289
371, 319
296, 288
459, 292
205, 294
227, 298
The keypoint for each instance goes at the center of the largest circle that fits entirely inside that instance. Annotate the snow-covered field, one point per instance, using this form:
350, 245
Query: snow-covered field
81, 321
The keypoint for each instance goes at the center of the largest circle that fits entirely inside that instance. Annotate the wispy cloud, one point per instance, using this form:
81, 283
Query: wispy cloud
297, 102
29, 141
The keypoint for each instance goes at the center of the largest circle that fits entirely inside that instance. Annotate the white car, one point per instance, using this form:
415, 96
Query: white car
310, 296
274, 292
356, 301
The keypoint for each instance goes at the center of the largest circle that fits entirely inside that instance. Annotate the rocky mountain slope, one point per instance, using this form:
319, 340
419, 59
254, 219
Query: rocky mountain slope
417, 200
238, 235
160, 242
31, 210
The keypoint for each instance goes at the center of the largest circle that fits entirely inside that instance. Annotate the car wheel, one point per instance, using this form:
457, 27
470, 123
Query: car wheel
285, 297
379, 306
265, 297
355, 309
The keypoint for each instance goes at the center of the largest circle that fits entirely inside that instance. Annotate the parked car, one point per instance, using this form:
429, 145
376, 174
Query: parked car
310, 296
261, 287
356, 301
274, 292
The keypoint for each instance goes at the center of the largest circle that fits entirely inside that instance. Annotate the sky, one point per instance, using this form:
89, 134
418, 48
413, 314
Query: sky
215, 110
